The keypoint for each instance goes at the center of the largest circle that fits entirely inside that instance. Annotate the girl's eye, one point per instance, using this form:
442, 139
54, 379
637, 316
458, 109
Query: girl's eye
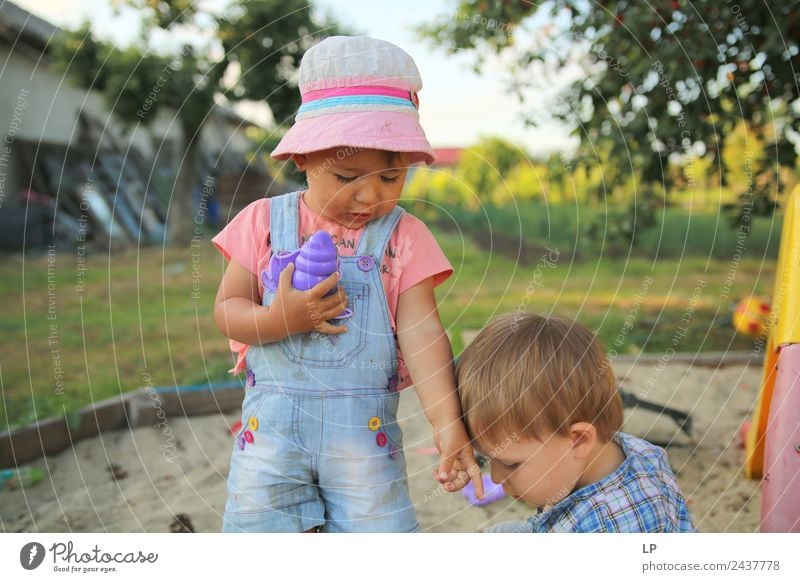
512, 467
346, 179
389, 180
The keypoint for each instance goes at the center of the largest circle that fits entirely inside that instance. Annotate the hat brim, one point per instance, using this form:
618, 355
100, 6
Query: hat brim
381, 130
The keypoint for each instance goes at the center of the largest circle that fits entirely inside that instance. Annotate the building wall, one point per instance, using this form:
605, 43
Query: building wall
40, 105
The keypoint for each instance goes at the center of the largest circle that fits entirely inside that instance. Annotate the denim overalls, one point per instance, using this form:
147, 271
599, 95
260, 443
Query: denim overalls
320, 444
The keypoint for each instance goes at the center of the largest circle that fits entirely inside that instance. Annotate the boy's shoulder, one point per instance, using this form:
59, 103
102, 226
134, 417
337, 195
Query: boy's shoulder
644, 456
641, 495
645, 496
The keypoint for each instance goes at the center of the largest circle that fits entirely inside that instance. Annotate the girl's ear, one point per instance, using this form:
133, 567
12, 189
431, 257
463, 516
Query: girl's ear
300, 160
584, 438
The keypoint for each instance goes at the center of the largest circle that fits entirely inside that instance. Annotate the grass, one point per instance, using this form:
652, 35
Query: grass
140, 314
633, 304
135, 317
675, 233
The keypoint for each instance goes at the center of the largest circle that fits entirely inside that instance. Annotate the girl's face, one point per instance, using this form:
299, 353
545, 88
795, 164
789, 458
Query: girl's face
353, 186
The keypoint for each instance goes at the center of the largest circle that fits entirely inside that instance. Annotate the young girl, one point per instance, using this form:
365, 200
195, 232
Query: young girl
320, 448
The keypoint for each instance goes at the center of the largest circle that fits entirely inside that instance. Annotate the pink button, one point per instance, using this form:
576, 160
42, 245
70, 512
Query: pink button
248, 436
381, 439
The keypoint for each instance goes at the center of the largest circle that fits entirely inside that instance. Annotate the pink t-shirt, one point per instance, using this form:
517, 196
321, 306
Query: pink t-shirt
411, 256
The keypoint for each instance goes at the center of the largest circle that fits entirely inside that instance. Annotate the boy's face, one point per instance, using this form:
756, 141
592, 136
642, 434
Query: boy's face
353, 186
538, 472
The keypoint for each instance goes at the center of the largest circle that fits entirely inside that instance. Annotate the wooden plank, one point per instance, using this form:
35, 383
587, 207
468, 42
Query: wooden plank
144, 407
101, 416
151, 406
46, 437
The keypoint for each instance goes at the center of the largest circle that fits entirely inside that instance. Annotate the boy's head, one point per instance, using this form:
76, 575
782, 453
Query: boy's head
539, 397
352, 186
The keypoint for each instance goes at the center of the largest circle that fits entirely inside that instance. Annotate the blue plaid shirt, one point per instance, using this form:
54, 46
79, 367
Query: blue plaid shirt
641, 495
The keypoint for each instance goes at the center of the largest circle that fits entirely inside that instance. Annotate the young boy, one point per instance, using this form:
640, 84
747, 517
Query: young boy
540, 399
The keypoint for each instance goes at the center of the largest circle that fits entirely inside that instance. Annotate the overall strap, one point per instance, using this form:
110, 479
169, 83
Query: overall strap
283, 221
377, 233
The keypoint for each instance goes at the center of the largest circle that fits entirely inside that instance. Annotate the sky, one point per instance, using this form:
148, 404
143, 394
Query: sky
457, 106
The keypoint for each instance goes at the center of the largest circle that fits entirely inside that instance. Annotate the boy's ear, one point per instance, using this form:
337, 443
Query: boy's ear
300, 160
584, 438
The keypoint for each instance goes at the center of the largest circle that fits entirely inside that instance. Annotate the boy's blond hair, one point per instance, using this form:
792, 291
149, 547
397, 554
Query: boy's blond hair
530, 376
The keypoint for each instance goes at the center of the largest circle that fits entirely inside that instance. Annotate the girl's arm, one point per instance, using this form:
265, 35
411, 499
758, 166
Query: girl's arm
239, 314
429, 358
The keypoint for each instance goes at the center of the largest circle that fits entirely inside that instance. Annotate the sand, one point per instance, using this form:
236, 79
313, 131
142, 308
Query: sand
80, 494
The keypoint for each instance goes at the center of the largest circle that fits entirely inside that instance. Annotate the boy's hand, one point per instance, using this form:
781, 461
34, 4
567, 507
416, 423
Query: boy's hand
301, 311
458, 465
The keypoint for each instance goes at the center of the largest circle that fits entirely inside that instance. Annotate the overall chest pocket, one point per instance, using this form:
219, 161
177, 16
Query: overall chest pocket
318, 350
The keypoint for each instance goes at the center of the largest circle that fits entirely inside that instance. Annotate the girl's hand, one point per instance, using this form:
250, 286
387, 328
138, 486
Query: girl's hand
298, 311
458, 465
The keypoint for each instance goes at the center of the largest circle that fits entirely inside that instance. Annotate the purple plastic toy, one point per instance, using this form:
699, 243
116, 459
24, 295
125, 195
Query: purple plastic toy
314, 262
278, 262
491, 492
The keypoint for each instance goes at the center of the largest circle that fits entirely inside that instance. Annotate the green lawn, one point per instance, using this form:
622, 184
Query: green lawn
139, 314
633, 304
149, 312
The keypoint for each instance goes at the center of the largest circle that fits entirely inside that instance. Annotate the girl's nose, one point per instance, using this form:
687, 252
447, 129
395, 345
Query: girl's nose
369, 195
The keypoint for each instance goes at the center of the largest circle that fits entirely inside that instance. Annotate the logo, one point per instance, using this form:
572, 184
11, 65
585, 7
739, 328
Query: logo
31, 555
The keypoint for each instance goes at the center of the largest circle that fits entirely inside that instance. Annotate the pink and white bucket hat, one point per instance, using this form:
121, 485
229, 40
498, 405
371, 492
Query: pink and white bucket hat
360, 92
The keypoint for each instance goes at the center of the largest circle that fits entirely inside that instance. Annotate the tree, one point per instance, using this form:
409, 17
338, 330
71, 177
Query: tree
250, 51
486, 166
661, 79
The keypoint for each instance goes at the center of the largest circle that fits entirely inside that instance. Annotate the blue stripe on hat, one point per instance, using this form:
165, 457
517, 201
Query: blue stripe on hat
354, 100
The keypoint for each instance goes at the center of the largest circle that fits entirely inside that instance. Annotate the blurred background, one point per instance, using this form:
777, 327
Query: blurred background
622, 163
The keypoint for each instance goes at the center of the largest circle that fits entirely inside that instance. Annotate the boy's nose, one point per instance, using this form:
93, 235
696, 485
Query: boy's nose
497, 474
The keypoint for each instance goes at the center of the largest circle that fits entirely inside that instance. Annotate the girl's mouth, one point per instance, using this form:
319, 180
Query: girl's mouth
360, 216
